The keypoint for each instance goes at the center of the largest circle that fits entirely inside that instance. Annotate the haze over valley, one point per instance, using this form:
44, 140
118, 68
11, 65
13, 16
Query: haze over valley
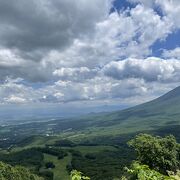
90, 90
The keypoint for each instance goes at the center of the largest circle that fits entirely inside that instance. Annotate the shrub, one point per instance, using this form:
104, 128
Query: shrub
77, 175
143, 172
8, 172
158, 153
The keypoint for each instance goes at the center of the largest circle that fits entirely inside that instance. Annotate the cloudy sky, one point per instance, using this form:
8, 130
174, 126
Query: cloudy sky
101, 52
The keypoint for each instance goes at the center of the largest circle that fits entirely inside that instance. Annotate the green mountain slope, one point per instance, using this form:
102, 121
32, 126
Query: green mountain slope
160, 115
103, 135
161, 112
166, 107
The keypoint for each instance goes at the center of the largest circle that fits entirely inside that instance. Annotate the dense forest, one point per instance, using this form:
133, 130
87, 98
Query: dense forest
141, 142
155, 157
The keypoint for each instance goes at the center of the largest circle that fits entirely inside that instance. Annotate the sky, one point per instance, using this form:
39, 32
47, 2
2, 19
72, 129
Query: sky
97, 53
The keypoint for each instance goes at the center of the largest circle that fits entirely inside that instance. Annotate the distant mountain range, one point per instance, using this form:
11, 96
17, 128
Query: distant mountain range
159, 113
161, 116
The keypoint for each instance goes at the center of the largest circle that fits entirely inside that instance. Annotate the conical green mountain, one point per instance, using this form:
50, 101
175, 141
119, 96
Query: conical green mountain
163, 112
166, 107
159, 113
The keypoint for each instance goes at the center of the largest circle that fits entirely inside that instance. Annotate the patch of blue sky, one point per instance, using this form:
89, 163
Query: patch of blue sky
36, 85
121, 5
170, 43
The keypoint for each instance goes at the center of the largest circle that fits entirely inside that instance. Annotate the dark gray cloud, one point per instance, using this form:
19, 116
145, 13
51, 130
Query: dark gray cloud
150, 69
43, 24
71, 48
30, 30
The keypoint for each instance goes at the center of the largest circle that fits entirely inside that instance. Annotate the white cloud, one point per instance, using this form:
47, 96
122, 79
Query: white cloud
111, 39
175, 53
77, 51
170, 9
9, 59
15, 100
150, 69
75, 74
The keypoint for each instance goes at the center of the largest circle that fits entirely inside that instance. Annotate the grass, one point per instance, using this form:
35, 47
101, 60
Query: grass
93, 149
60, 172
36, 141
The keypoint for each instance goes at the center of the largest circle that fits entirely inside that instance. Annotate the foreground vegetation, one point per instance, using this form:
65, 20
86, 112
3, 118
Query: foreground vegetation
8, 172
147, 158
143, 172
96, 144
157, 159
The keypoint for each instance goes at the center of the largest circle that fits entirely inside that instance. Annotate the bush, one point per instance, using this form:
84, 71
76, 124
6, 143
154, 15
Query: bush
9, 172
76, 175
143, 172
158, 153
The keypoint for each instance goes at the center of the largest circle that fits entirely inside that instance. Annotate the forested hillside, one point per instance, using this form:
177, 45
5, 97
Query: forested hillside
96, 145
156, 158
8, 172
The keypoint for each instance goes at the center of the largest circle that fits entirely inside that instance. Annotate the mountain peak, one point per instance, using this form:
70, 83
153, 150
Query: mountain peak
175, 93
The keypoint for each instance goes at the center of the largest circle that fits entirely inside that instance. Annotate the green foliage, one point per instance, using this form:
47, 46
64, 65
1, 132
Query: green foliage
77, 175
28, 158
176, 175
104, 165
7, 172
143, 172
64, 143
158, 153
60, 153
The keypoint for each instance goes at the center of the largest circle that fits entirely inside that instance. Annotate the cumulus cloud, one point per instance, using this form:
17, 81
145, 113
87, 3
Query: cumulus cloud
29, 31
75, 74
61, 51
150, 69
167, 8
112, 41
47, 24
87, 36
175, 53
12, 65
99, 88
14, 99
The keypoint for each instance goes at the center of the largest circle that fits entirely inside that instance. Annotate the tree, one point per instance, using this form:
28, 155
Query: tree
158, 153
77, 175
143, 172
8, 172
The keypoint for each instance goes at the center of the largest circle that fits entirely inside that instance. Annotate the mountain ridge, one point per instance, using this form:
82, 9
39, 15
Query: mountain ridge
158, 113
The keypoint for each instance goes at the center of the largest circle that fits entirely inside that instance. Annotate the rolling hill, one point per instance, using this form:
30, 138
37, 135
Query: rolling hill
94, 144
161, 115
